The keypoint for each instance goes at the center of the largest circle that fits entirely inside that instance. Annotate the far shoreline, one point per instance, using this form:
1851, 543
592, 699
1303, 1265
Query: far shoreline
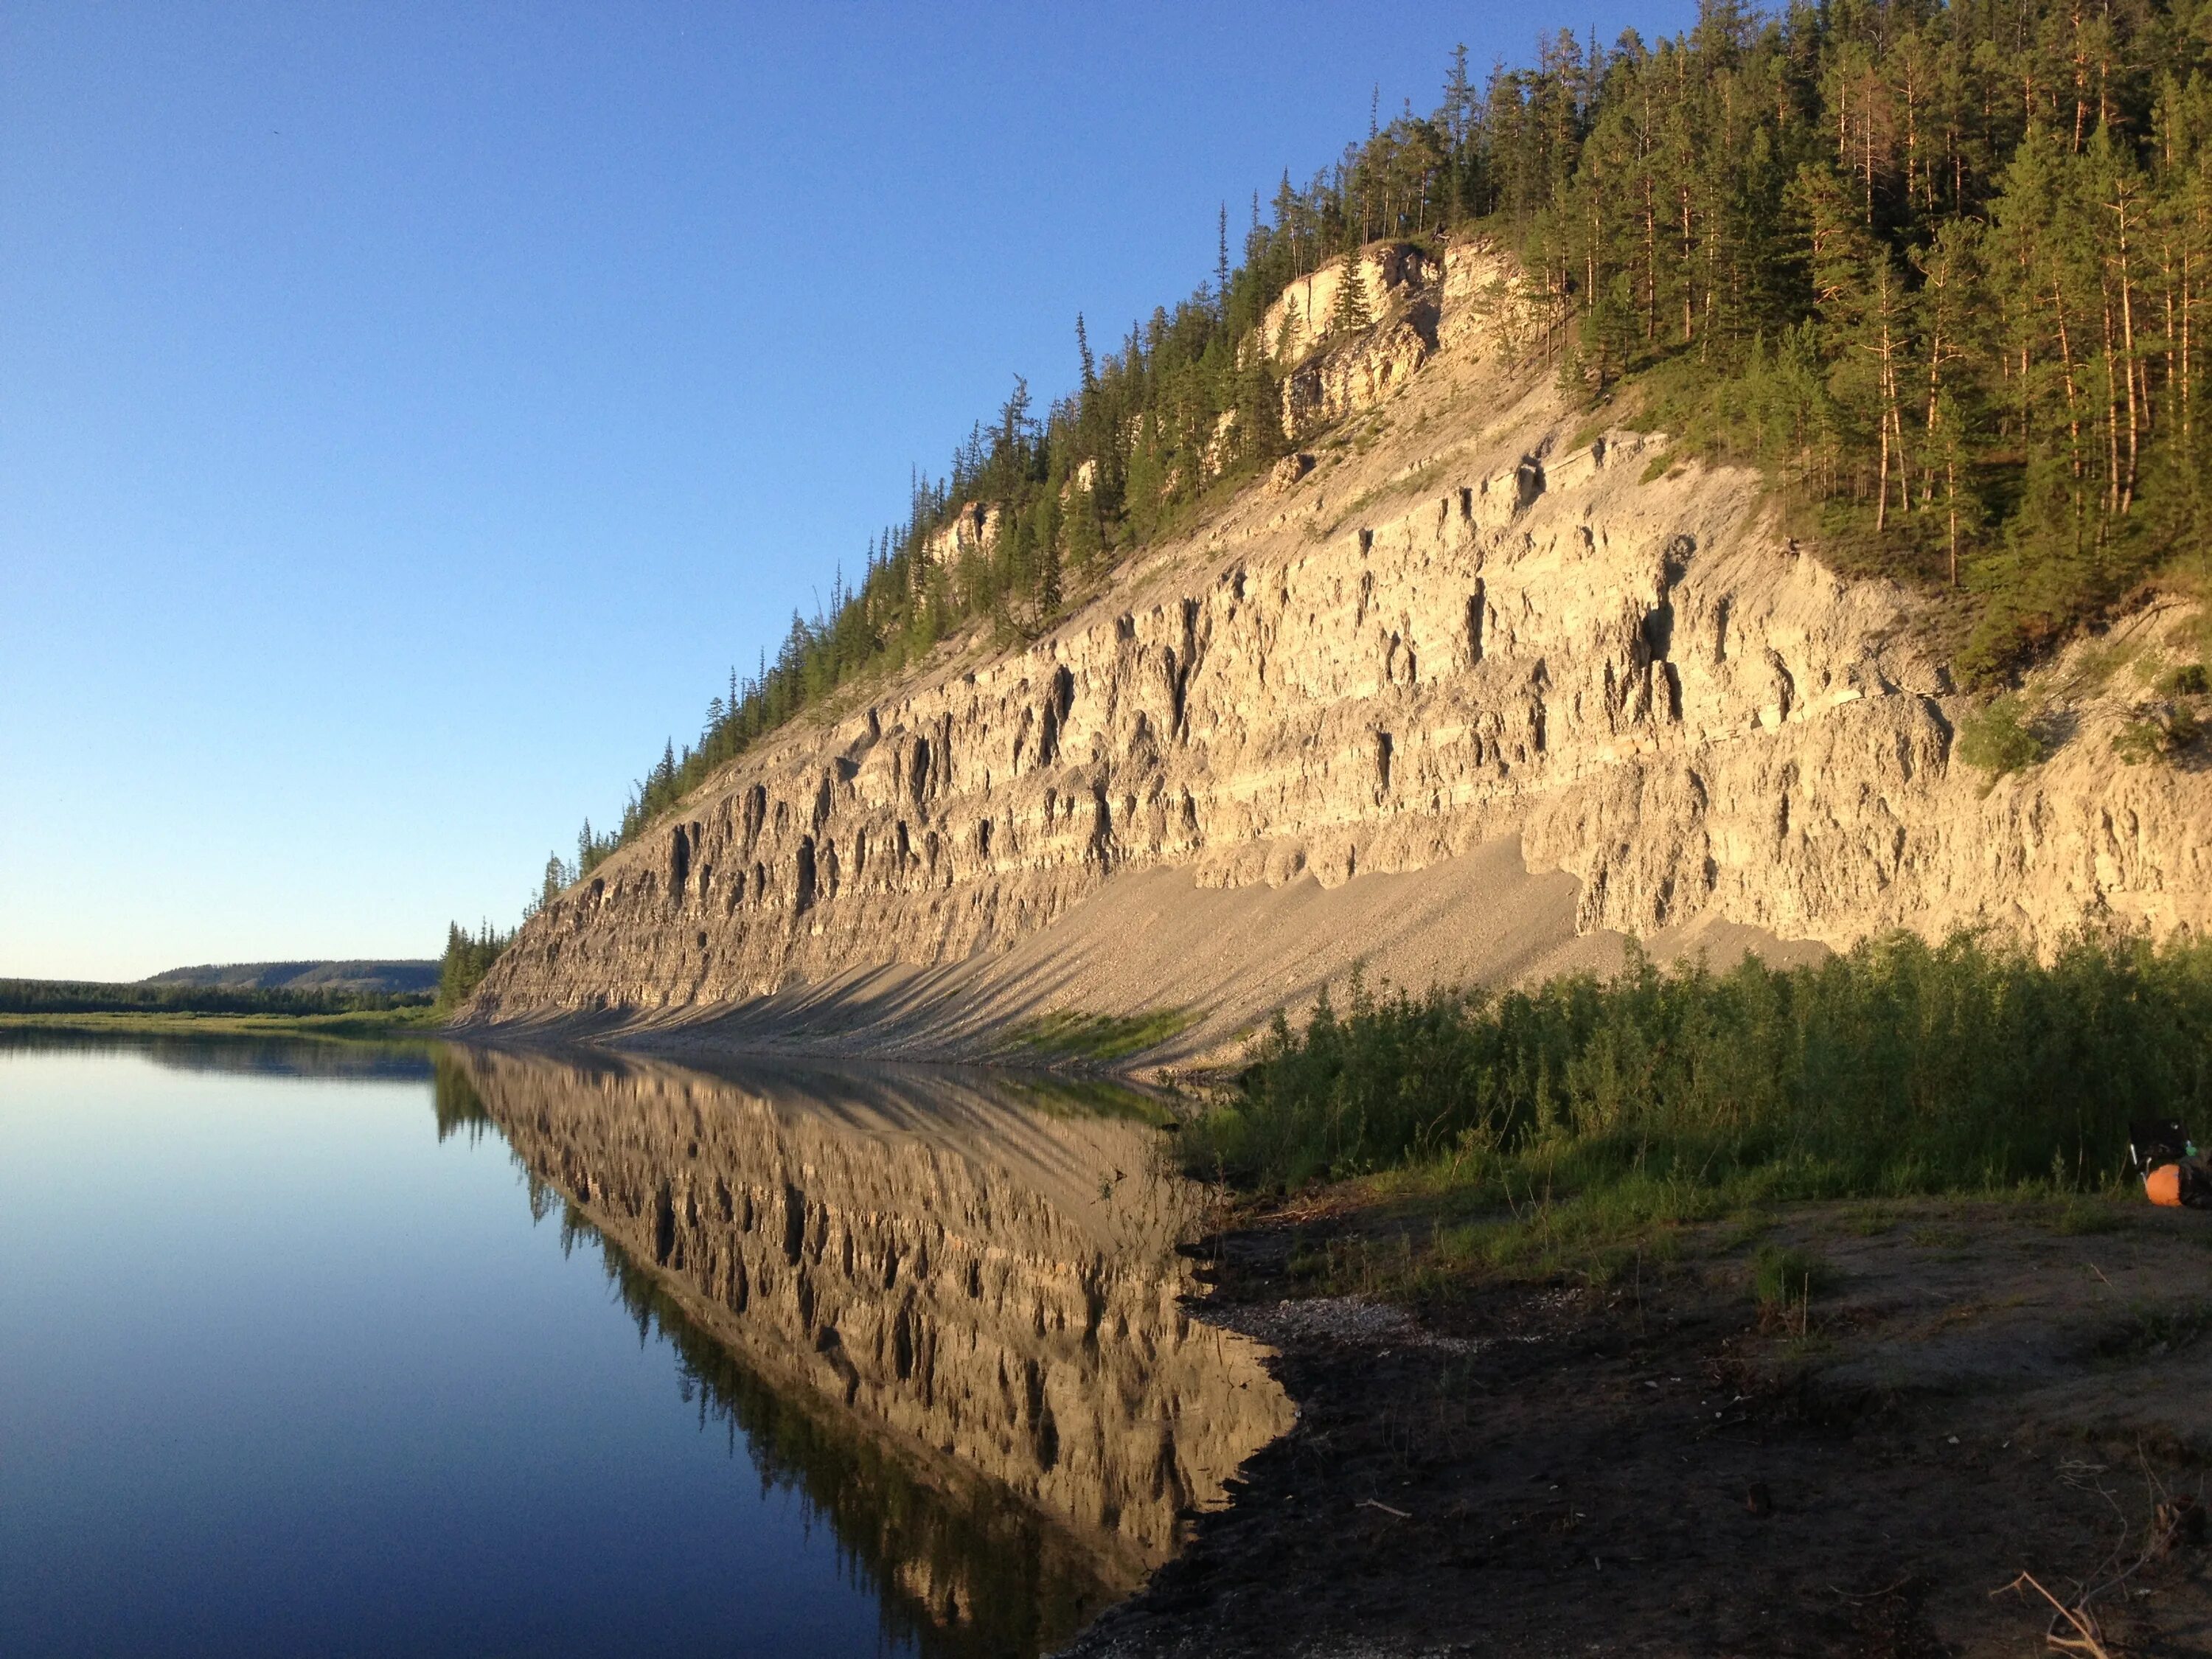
363, 1025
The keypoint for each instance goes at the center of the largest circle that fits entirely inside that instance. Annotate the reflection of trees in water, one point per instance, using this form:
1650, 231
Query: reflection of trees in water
241, 1053
454, 1098
971, 1572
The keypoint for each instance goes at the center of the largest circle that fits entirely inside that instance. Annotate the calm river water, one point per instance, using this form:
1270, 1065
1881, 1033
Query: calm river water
338, 1349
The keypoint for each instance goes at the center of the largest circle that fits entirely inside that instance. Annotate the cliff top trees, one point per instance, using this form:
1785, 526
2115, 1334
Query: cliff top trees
1942, 268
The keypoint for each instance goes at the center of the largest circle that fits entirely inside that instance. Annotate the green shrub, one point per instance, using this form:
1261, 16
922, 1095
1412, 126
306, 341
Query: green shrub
1900, 1067
2157, 734
2138, 741
2190, 680
1073, 1034
1996, 740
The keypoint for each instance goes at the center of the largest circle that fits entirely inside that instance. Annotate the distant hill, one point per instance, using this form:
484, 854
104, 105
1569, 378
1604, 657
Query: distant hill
371, 978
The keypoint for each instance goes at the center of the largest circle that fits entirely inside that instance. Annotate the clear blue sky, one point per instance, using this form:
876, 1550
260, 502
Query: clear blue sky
408, 413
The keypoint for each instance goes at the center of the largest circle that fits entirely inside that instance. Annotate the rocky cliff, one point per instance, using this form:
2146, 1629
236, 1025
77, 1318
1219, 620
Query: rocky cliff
983, 1292
1461, 622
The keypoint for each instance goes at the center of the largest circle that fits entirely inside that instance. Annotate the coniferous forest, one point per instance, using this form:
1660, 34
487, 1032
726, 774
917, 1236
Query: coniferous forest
1939, 269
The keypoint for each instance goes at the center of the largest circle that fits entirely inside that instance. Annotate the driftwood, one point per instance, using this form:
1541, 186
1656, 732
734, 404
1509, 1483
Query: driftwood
2088, 1636
2074, 1626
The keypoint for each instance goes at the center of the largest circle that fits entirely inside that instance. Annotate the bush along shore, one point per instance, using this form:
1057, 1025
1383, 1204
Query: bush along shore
146, 1006
1899, 1068
1801, 1310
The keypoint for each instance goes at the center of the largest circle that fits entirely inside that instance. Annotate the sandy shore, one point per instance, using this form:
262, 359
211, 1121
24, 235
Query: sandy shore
1652, 1468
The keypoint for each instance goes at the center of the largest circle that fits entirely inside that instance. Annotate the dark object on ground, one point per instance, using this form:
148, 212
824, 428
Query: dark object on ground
2174, 1175
2158, 1142
2178, 1523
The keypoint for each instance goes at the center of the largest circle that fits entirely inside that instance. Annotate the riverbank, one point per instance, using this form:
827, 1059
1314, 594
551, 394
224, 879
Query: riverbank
1934, 1397
365, 1024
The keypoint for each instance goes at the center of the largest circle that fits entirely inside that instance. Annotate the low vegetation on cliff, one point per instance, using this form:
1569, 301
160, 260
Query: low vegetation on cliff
1941, 270
1901, 1067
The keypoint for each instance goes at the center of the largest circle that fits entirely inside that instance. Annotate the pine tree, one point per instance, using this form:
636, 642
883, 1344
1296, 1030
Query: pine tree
1048, 594
1089, 364
1458, 110
1221, 262
1350, 313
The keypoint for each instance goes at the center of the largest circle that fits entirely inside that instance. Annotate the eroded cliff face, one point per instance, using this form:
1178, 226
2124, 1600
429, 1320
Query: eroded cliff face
1469, 620
988, 1291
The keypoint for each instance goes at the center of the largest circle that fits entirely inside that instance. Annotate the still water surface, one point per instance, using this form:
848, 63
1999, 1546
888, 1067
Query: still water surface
341, 1349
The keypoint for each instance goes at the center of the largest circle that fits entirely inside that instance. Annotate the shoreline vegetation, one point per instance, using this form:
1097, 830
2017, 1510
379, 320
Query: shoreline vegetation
420, 1021
1572, 1126
169, 1006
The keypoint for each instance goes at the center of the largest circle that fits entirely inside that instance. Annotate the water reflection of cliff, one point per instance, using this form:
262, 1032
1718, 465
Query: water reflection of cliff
947, 1310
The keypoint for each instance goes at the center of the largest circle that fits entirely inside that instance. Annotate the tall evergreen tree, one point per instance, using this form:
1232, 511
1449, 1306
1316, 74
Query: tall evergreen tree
1350, 313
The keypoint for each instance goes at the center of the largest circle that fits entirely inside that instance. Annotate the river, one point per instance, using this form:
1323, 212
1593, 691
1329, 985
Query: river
345, 1348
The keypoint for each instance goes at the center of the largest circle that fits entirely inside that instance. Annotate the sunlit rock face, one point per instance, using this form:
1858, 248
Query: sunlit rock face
1479, 615
986, 1293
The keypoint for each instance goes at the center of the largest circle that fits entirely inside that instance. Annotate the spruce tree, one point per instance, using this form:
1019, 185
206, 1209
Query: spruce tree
1350, 313
1048, 594
1221, 262
1082, 355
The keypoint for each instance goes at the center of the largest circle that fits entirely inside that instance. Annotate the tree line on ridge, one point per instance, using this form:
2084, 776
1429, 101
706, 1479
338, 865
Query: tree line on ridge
1939, 269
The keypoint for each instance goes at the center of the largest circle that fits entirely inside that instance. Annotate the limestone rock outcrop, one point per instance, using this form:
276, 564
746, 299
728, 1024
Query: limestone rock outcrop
1473, 296
1470, 619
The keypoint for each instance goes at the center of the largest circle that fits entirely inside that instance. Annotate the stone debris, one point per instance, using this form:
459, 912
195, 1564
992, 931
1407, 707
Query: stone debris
1352, 1321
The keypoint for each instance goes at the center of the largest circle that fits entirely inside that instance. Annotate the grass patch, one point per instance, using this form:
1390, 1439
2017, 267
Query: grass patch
1939, 1235
2156, 734
1871, 1220
1070, 1034
2079, 1218
1784, 1276
1421, 1255
1658, 467
2152, 1332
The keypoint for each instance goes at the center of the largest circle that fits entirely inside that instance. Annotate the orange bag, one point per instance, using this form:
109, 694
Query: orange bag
2163, 1184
